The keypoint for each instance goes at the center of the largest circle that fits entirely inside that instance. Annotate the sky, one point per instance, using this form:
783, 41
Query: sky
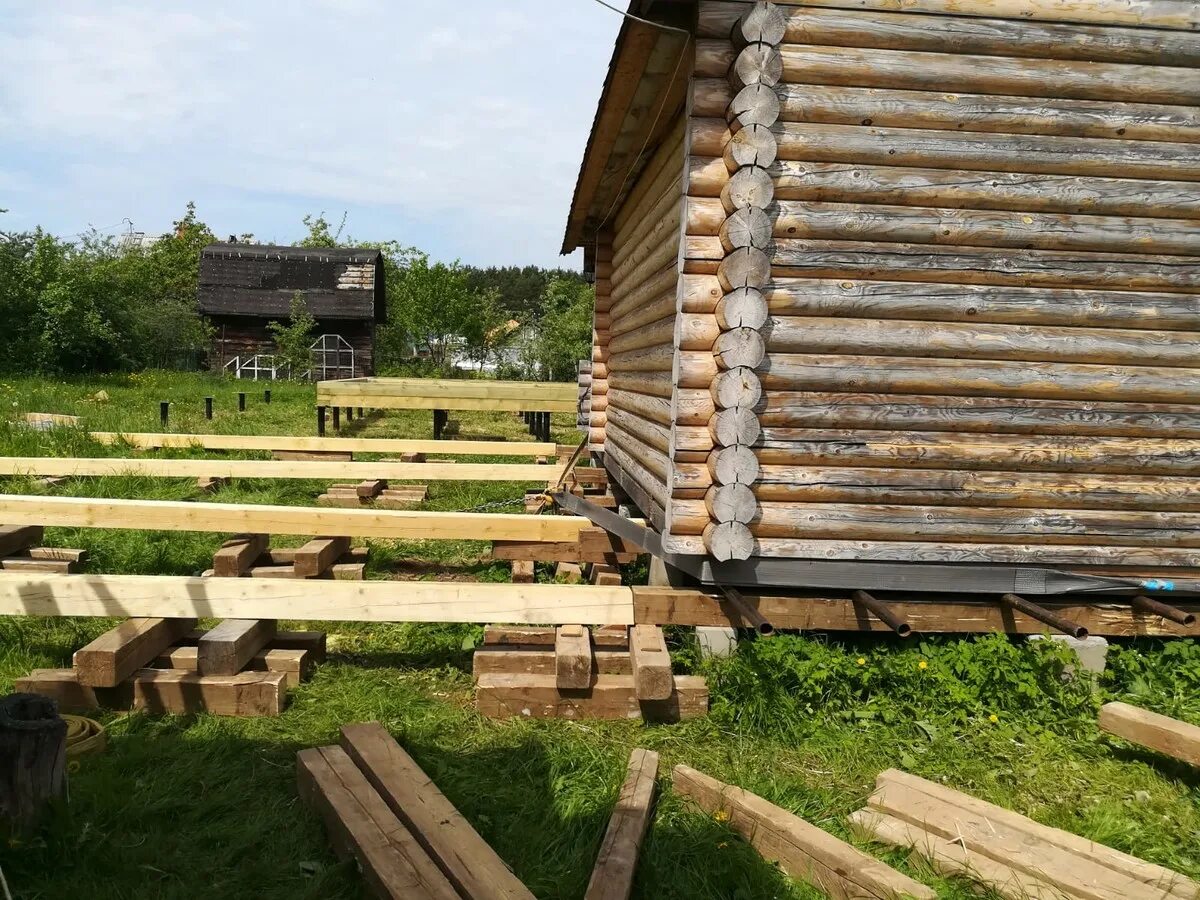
458, 128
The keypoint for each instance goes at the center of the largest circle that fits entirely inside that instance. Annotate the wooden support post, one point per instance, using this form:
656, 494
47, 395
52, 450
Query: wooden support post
573, 657
522, 571
226, 649
33, 758
1160, 733
164, 411
238, 554
449, 840
267, 395
337, 418
121, 651
363, 828
568, 572
802, 850
652, 678
241, 401
612, 876
318, 555
208, 407
320, 421
349, 414
440, 417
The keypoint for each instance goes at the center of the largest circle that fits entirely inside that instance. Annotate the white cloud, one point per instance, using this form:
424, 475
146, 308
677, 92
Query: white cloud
474, 123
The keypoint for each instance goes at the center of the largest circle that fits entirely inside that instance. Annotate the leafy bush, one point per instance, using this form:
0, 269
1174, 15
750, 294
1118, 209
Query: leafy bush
1163, 676
293, 340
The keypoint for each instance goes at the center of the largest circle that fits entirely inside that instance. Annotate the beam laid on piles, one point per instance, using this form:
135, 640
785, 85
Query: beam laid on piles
169, 596
59, 467
152, 440
153, 515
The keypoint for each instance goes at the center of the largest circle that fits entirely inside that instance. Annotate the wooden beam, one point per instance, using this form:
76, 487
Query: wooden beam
573, 657
165, 691
317, 601
801, 849
466, 860
155, 515
318, 555
336, 391
515, 659
229, 647
612, 876
294, 664
608, 697
651, 663
15, 538
1160, 733
290, 443
238, 555
362, 828
121, 651
267, 468
926, 613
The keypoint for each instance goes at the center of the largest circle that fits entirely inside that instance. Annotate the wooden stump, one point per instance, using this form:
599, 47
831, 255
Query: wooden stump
33, 757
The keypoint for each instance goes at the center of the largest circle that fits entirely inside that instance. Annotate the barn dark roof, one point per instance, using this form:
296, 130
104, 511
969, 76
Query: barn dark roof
259, 281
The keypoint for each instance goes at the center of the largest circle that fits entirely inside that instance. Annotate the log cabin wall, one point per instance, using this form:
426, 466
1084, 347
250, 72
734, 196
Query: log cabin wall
977, 239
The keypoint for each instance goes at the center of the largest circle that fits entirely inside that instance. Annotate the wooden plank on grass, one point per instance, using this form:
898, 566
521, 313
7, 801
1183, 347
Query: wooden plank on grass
951, 859
15, 538
612, 876
227, 648
183, 693
318, 555
308, 600
162, 515
1143, 871
132, 645
1160, 733
513, 659
802, 850
63, 687
469, 863
238, 554
608, 697
975, 830
572, 657
651, 662
361, 827
59, 553
296, 665
152, 440
30, 564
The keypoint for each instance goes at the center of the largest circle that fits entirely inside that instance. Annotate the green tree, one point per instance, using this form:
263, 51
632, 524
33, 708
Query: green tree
293, 339
432, 308
564, 335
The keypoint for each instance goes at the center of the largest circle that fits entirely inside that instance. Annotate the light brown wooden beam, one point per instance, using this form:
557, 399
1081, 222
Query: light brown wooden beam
348, 601
121, 651
227, 648
928, 613
151, 515
152, 440
616, 863
1171, 737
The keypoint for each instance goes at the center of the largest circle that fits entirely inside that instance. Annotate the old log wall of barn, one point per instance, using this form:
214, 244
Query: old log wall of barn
944, 270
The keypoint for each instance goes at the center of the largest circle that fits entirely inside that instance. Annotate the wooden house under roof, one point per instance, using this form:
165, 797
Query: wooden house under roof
916, 286
245, 287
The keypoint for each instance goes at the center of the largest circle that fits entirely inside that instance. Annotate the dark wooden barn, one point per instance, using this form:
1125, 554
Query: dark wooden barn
245, 287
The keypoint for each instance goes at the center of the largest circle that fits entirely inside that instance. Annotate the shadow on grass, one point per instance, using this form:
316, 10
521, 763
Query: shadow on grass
1168, 767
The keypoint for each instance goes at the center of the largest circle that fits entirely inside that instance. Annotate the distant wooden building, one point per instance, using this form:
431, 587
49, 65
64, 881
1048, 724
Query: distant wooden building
244, 287
901, 282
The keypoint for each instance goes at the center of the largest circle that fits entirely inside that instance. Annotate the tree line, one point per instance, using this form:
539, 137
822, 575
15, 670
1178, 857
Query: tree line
101, 304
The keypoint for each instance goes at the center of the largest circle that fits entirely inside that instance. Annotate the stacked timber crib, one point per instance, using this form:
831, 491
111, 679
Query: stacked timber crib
919, 286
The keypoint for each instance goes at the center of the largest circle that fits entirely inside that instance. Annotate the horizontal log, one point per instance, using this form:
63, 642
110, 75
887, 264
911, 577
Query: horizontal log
627, 305
154, 440
694, 406
982, 265
991, 378
648, 359
654, 409
927, 613
878, 24
652, 334
971, 340
921, 70
643, 430
888, 107
865, 522
931, 551
946, 450
956, 487
645, 489
652, 384
891, 412
983, 228
959, 189
369, 391
278, 598
662, 305
154, 515
980, 303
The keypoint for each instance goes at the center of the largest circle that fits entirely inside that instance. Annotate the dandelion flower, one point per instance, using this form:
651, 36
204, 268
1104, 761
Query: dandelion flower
922, 665
862, 661
993, 718
721, 815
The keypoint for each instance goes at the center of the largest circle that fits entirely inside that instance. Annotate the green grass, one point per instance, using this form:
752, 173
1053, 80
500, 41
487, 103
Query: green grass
185, 805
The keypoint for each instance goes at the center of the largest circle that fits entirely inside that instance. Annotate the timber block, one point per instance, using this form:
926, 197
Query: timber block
315, 557
33, 564
568, 572
372, 488
15, 539
604, 574
608, 697
210, 485
296, 665
515, 659
227, 648
522, 571
597, 545
59, 553
573, 657
119, 652
613, 636
238, 554
313, 455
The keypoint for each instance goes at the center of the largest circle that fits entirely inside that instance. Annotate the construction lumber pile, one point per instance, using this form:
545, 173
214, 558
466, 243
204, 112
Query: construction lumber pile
240, 667
593, 545
1162, 734
374, 494
1004, 851
381, 810
249, 556
19, 553
573, 672
802, 850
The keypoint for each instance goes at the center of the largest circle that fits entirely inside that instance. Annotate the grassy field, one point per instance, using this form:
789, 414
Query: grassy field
179, 807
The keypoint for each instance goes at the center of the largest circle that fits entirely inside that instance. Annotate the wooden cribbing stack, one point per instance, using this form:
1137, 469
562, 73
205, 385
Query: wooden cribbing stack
374, 494
19, 553
609, 672
326, 557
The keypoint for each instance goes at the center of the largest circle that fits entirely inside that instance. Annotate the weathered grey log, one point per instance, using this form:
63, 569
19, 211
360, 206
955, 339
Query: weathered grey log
728, 540
33, 758
747, 187
759, 22
733, 426
736, 388
742, 308
728, 503
757, 63
748, 227
755, 104
736, 464
736, 347
933, 551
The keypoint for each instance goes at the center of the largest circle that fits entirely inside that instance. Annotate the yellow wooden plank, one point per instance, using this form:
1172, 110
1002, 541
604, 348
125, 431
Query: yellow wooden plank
346, 601
499, 404
262, 468
325, 445
158, 515
457, 388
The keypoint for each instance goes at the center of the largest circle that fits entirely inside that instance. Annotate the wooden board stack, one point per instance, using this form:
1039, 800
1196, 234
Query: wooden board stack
1004, 851
572, 672
374, 494
238, 668
18, 552
384, 812
248, 555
